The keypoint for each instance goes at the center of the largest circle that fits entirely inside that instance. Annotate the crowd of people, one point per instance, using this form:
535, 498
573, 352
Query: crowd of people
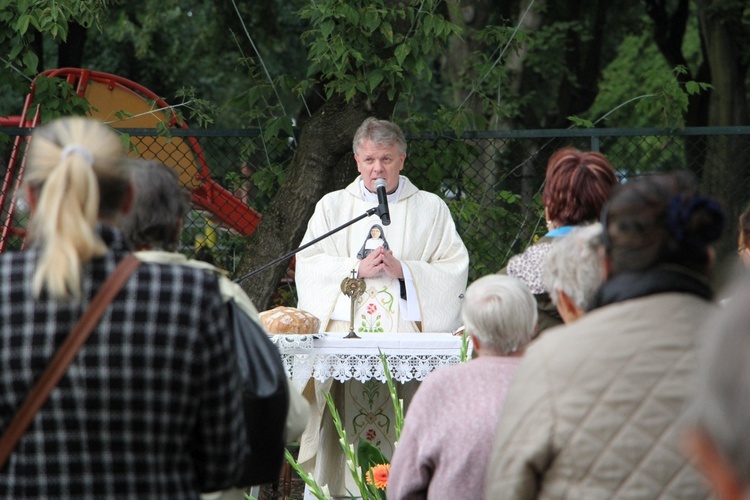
586, 344
603, 366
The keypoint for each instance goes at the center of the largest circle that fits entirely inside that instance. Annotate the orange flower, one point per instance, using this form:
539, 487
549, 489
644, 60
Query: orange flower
378, 475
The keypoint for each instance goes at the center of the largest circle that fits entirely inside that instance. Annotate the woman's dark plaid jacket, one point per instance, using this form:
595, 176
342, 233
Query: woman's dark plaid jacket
149, 408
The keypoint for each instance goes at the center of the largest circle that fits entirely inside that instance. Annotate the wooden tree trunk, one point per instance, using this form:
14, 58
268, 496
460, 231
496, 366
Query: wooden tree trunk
727, 170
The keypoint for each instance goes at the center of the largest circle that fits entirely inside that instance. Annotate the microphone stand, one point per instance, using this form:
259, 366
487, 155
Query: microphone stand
262, 268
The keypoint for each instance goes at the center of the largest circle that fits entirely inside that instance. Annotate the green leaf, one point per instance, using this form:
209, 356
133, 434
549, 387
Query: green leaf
387, 31
123, 115
428, 24
401, 52
369, 455
372, 20
128, 144
580, 122
22, 24
374, 79
15, 50
350, 14
326, 28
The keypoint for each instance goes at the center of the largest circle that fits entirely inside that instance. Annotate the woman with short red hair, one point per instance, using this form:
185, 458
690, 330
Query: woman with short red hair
576, 186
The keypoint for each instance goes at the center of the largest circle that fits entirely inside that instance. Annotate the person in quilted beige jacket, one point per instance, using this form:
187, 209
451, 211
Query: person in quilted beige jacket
719, 415
596, 408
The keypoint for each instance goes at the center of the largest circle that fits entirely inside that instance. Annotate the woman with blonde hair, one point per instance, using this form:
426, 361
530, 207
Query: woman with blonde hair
150, 405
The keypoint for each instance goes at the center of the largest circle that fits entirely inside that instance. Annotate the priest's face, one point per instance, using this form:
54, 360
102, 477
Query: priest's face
378, 161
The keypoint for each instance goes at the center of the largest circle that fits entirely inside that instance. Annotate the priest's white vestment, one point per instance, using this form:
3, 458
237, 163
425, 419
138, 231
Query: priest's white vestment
423, 237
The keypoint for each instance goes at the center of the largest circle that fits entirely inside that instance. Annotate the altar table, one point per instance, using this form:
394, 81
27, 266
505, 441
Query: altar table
410, 356
352, 371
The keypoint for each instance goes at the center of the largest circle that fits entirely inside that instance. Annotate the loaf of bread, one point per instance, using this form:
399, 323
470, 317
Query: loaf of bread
288, 320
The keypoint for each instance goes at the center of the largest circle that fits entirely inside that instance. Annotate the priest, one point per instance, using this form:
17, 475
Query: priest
415, 268
416, 281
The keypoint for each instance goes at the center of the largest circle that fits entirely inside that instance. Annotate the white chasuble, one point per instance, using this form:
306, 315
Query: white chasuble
423, 237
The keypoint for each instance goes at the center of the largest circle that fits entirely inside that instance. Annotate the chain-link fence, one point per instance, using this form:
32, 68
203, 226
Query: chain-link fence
491, 180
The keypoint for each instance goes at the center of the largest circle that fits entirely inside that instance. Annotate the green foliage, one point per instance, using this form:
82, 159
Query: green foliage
268, 179
581, 122
21, 21
670, 101
56, 97
465, 341
481, 214
368, 48
200, 112
655, 98
263, 104
398, 404
459, 170
315, 489
352, 460
286, 295
483, 78
362, 48
128, 145
368, 456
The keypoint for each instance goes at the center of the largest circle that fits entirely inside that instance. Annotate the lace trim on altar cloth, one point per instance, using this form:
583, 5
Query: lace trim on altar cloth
326, 356
343, 367
296, 341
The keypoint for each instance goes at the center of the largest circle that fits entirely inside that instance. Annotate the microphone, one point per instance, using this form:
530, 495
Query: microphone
385, 217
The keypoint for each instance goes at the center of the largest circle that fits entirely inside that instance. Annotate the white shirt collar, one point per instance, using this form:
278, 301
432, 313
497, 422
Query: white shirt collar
373, 197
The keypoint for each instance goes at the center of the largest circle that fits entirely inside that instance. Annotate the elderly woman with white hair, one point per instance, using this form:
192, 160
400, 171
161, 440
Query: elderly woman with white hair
573, 271
451, 421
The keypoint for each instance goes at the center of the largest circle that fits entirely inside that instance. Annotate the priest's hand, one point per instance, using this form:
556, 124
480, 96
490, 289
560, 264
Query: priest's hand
380, 261
392, 266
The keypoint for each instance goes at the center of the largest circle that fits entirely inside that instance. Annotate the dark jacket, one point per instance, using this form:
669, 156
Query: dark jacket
150, 406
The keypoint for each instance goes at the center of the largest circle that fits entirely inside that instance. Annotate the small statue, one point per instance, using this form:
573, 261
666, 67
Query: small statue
353, 287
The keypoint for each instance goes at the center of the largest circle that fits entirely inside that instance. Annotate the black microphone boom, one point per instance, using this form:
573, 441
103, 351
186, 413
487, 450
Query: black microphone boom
291, 254
385, 216
381, 210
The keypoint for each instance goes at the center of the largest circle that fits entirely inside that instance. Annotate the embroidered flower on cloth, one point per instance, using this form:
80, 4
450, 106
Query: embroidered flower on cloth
370, 435
378, 475
371, 308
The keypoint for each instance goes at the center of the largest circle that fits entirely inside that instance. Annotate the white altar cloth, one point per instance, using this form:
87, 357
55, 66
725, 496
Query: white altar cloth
410, 356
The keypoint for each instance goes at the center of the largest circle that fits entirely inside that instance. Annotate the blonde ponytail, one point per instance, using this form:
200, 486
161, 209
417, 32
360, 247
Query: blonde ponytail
68, 162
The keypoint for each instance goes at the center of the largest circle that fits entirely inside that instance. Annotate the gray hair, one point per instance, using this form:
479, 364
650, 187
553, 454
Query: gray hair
501, 312
573, 265
721, 403
158, 208
381, 132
